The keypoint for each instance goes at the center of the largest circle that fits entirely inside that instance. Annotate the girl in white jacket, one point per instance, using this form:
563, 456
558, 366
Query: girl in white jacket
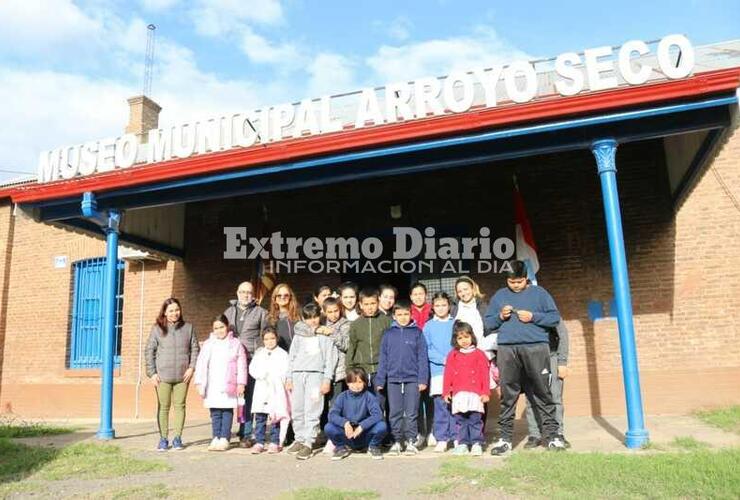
270, 403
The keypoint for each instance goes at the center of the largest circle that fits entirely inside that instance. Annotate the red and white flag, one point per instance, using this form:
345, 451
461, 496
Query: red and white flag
526, 250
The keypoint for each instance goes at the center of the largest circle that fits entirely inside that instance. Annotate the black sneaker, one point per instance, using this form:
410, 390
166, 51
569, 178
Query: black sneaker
340, 453
500, 447
565, 441
556, 444
305, 453
375, 453
532, 442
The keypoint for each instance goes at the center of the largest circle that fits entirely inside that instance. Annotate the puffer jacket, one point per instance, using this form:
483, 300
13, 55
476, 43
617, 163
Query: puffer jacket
172, 354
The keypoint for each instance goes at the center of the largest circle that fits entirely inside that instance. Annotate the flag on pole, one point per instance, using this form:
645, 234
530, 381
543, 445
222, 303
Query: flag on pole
526, 250
265, 280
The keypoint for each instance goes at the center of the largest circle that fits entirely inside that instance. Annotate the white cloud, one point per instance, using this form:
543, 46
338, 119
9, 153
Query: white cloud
158, 5
331, 74
400, 28
483, 47
261, 50
221, 17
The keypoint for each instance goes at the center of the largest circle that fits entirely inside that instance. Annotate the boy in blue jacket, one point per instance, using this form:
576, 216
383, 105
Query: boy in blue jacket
356, 420
404, 365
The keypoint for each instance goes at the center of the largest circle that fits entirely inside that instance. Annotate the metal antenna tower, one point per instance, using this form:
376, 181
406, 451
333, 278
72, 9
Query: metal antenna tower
149, 59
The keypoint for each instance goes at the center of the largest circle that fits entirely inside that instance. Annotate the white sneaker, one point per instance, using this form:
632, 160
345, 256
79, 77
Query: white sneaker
223, 444
213, 445
476, 450
500, 447
395, 449
441, 447
328, 448
556, 444
411, 449
431, 441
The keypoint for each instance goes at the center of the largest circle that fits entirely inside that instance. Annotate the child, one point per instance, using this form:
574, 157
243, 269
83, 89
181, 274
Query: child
270, 402
311, 364
388, 294
220, 376
365, 335
467, 386
437, 333
421, 310
348, 298
355, 419
405, 366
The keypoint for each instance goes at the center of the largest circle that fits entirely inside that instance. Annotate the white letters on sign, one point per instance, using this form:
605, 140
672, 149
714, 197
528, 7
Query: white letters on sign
597, 69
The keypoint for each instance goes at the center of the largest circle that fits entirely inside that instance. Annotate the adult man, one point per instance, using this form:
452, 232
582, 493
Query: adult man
559, 348
247, 320
522, 314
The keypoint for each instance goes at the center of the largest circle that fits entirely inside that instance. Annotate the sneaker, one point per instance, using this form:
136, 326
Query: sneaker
223, 444
420, 443
375, 453
340, 453
395, 449
532, 442
441, 447
328, 448
295, 448
565, 441
177, 443
213, 445
246, 442
163, 444
411, 450
304, 453
258, 448
460, 449
500, 447
556, 444
431, 440
476, 450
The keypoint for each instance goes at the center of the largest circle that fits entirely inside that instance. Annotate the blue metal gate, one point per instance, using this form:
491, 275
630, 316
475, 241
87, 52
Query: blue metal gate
86, 344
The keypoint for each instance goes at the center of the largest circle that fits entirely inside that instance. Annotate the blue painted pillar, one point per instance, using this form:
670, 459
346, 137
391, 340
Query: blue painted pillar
605, 152
108, 221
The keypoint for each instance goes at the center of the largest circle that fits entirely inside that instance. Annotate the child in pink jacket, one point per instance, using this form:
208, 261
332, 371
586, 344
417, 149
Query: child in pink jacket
220, 377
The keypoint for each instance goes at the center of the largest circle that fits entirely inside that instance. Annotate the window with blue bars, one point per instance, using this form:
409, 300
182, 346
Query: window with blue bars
86, 332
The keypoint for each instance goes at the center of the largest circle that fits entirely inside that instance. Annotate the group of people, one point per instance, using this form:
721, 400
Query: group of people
367, 370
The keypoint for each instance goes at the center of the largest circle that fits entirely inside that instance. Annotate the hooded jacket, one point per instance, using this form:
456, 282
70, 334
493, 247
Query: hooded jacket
365, 335
403, 356
247, 323
311, 353
235, 359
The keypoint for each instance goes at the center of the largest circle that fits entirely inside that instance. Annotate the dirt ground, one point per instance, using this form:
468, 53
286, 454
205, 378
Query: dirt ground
236, 473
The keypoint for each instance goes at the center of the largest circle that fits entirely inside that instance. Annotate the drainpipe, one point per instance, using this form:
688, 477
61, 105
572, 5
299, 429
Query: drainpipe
141, 341
108, 221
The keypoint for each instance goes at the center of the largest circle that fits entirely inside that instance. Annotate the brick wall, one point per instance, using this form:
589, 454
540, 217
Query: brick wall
683, 268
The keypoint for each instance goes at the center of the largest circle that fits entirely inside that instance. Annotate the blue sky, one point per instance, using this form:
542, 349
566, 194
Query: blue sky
67, 67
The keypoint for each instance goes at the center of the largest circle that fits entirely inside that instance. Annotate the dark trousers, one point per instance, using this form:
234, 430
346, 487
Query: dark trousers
426, 413
221, 420
445, 427
372, 437
403, 409
526, 368
336, 389
245, 429
260, 429
469, 428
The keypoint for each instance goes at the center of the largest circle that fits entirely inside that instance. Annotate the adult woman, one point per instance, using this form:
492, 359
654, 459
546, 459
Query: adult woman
283, 314
470, 306
171, 353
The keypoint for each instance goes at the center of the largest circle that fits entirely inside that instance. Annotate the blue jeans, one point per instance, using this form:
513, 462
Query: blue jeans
470, 427
260, 428
372, 437
245, 429
221, 420
445, 427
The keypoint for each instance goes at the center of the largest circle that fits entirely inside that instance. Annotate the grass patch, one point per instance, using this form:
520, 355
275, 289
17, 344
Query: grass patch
695, 474
157, 490
16, 428
727, 419
689, 443
17, 488
323, 493
80, 461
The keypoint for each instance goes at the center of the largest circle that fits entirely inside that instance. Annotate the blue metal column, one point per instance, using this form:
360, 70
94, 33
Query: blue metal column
109, 222
605, 152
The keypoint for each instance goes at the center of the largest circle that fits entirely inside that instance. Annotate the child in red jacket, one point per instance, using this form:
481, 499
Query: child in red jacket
467, 387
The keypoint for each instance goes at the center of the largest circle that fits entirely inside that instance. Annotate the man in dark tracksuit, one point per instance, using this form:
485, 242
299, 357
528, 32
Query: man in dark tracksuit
523, 314
247, 320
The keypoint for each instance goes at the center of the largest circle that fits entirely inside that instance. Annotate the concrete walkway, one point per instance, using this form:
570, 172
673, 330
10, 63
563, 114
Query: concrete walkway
239, 474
